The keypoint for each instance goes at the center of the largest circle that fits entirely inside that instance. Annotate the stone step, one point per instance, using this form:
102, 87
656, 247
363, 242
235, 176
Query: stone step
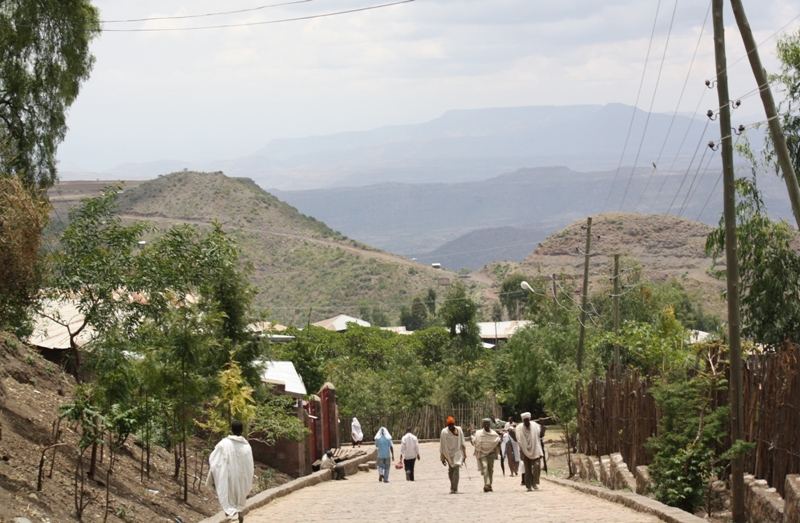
372, 464
363, 467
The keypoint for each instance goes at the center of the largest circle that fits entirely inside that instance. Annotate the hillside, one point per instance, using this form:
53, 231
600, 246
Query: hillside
477, 248
31, 391
302, 268
665, 246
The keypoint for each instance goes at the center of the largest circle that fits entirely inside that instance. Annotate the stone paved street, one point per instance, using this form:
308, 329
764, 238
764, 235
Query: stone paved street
362, 498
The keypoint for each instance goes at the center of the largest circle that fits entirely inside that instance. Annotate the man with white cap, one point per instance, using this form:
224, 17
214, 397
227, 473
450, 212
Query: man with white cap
530, 446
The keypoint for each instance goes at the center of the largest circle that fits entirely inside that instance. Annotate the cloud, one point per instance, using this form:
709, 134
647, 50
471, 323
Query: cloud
223, 93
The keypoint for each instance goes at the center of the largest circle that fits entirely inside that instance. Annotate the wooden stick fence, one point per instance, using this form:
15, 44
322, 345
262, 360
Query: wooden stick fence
426, 422
620, 416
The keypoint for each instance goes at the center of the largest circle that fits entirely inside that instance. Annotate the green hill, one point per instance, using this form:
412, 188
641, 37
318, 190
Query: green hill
302, 268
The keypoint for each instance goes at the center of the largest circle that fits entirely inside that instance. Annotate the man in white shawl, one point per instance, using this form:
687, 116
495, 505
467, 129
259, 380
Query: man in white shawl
355, 432
452, 451
530, 444
485, 442
231, 472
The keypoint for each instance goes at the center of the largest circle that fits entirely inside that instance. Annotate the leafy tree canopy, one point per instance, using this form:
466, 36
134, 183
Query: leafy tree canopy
44, 58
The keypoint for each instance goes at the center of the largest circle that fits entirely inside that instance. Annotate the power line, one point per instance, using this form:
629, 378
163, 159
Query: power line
203, 15
264, 22
635, 106
770, 37
650, 110
689, 168
680, 148
677, 107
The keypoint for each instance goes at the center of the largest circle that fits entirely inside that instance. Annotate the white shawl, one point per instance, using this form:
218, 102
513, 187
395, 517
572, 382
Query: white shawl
528, 439
383, 432
485, 442
451, 446
355, 430
231, 471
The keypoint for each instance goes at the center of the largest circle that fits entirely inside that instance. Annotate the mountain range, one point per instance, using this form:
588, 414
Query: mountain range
460, 145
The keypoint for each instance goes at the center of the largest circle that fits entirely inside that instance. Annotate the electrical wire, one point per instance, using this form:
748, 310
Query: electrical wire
650, 110
263, 22
204, 15
635, 105
677, 107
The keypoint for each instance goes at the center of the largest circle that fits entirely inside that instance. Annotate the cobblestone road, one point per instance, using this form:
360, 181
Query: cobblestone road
363, 498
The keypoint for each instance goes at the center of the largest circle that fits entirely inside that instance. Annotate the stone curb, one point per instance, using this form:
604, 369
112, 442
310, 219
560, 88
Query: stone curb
631, 500
262, 498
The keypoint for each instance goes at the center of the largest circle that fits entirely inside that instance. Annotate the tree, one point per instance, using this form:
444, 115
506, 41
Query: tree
459, 313
94, 267
23, 216
430, 301
769, 269
44, 58
788, 52
513, 297
419, 315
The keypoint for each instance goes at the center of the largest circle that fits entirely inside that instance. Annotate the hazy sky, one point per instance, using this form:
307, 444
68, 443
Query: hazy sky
224, 93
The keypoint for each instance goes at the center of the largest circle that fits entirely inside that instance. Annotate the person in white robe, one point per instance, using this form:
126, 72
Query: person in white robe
355, 432
510, 449
452, 451
530, 445
231, 472
486, 442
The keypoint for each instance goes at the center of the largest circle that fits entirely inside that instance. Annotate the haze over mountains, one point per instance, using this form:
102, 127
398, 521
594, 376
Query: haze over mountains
461, 145
506, 176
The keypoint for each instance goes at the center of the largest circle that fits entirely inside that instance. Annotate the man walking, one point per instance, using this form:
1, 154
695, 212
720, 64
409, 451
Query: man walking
231, 472
383, 442
409, 453
486, 442
530, 446
452, 451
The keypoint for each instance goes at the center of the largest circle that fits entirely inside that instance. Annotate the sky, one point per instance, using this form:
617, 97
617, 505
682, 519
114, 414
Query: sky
209, 94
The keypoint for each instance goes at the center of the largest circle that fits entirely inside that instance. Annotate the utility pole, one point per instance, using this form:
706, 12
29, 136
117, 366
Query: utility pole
584, 291
731, 264
617, 369
555, 301
775, 129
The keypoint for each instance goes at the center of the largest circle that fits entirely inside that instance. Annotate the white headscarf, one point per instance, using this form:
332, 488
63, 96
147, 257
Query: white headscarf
355, 430
382, 432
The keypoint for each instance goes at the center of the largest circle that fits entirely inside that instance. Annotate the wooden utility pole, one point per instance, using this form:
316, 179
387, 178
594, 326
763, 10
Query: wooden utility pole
731, 264
584, 291
617, 369
555, 301
775, 129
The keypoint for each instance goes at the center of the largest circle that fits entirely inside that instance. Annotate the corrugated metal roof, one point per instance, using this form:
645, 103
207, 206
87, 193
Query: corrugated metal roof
398, 330
55, 333
339, 323
284, 373
501, 330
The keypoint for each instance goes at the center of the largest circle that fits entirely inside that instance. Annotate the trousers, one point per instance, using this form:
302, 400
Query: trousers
384, 466
487, 466
533, 470
452, 472
408, 464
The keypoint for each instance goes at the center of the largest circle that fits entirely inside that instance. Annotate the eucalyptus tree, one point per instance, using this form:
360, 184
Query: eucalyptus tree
44, 59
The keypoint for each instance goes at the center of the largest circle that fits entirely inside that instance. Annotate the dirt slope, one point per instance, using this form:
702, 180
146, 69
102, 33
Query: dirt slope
31, 391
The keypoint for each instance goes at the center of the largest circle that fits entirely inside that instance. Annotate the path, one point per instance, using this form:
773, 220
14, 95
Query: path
362, 498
